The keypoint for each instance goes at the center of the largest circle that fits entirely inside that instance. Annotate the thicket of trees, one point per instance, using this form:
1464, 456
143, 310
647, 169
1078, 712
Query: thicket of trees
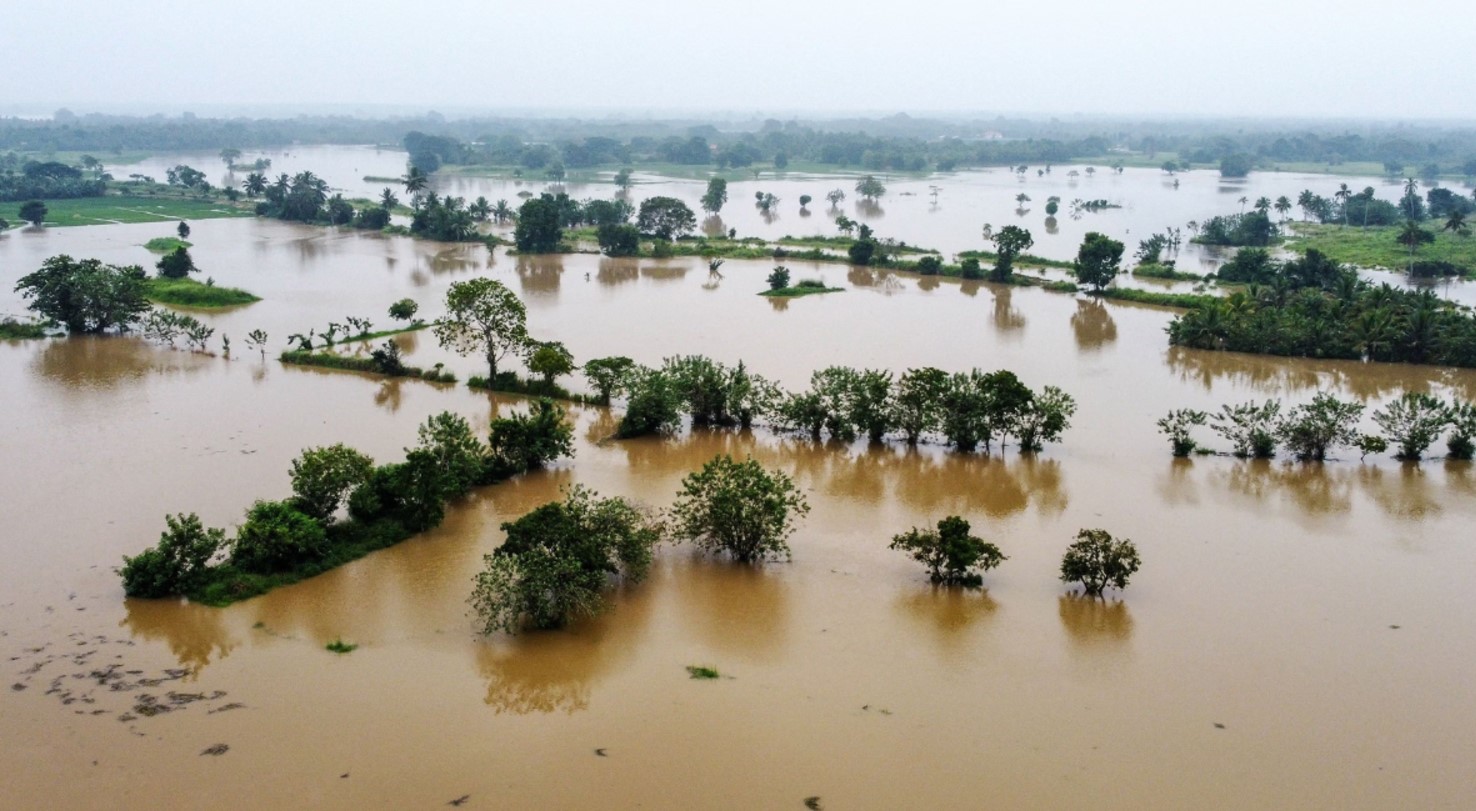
85, 295
1314, 307
48, 180
283, 541
1311, 431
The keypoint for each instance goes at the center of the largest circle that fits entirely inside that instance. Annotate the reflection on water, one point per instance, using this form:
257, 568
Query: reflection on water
1272, 375
1092, 325
740, 612
555, 671
713, 227
1007, 319
1404, 492
947, 614
539, 275
614, 272
665, 273
869, 209
387, 396
108, 362
196, 634
1094, 624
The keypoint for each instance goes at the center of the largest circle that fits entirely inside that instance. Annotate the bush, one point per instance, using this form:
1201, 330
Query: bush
969, 269
619, 239
653, 406
929, 265
404, 309
557, 560
177, 564
1097, 561
1460, 445
387, 360
277, 537
738, 508
1250, 428
1177, 425
810, 284
608, 375
779, 278
323, 477
522, 442
1310, 430
952, 555
1413, 422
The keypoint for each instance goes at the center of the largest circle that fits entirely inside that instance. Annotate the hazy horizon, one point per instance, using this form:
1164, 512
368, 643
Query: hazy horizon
1156, 59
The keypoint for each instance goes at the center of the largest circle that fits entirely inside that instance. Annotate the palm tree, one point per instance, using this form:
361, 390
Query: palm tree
1305, 201
1342, 195
1456, 224
1243, 200
1263, 204
254, 184
480, 210
502, 212
415, 180
1413, 236
387, 199
1282, 206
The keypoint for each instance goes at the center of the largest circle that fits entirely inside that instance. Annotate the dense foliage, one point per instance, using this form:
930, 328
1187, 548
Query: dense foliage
738, 508
86, 295
1096, 560
952, 555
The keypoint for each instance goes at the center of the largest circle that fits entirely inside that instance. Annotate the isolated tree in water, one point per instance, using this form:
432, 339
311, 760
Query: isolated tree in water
484, 318
1097, 560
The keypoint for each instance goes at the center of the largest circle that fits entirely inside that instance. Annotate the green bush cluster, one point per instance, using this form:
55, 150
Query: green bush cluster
285, 541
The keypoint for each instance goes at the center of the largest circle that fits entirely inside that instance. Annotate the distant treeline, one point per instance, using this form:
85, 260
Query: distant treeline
891, 143
48, 180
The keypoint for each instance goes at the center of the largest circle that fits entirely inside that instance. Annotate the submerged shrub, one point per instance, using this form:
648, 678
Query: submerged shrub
323, 477
1413, 423
277, 537
1096, 560
1310, 430
523, 441
1177, 425
558, 559
1462, 441
177, 564
738, 508
952, 555
1250, 428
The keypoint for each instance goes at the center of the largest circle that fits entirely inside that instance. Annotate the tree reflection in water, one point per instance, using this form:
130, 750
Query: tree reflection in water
195, 633
1093, 623
1093, 325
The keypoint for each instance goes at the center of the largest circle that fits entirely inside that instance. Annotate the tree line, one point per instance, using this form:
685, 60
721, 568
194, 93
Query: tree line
1410, 424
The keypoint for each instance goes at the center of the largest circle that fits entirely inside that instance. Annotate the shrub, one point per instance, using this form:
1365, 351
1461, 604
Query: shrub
404, 309
619, 239
387, 361
1043, 419
521, 442
653, 406
1309, 430
177, 564
811, 284
557, 559
779, 278
323, 477
1250, 428
929, 265
277, 537
969, 269
952, 555
176, 264
1413, 422
1177, 425
738, 508
1460, 445
1096, 560
1370, 443
608, 375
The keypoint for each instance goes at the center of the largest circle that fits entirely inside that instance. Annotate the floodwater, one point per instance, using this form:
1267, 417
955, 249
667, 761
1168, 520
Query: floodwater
1299, 636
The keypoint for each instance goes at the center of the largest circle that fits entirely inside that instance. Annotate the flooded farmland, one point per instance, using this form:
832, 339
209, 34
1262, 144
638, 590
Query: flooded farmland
1299, 636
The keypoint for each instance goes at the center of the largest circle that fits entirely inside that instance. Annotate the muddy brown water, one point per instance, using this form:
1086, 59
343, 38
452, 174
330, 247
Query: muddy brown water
1299, 636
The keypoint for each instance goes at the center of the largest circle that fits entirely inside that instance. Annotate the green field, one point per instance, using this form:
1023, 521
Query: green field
131, 209
1377, 248
190, 293
797, 291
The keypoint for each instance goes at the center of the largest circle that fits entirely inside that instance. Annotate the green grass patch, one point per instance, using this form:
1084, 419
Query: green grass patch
801, 289
13, 330
346, 363
190, 293
384, 333
1377, 247
340, 646
987, 260
1154, 271
124, 208
1186, 301
510, 383
702, 672
167, 244
844, 243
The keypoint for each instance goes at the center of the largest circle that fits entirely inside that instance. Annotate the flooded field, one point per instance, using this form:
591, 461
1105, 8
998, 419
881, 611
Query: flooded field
1299, 636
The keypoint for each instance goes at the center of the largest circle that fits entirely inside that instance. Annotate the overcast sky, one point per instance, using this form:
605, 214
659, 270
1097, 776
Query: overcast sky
1361, 58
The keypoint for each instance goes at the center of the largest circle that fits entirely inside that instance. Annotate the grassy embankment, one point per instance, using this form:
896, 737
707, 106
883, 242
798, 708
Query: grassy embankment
190, 293
808, 287
1377, 247
348, 363
167, 244
13, 330
128, 208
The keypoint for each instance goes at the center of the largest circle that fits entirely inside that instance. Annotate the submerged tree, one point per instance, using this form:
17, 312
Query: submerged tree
86, 295
952, 555
1413, 423
558, 560
715, 196
1009, 242
1096, 560
1310, 430
483, 317
1250, 428
738, 508
322, 478
1177, 425
1098, 261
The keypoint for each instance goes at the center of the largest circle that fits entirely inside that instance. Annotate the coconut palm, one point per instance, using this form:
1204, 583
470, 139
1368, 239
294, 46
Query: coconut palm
254, 184
502, 212
1283, 205
1413, 236
480, 209
1456, 224
415, 180
1342, 195
387, 199
1263, 204
1243, 200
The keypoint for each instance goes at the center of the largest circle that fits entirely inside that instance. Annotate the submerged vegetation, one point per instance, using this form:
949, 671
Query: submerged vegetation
190, 293
282, 542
